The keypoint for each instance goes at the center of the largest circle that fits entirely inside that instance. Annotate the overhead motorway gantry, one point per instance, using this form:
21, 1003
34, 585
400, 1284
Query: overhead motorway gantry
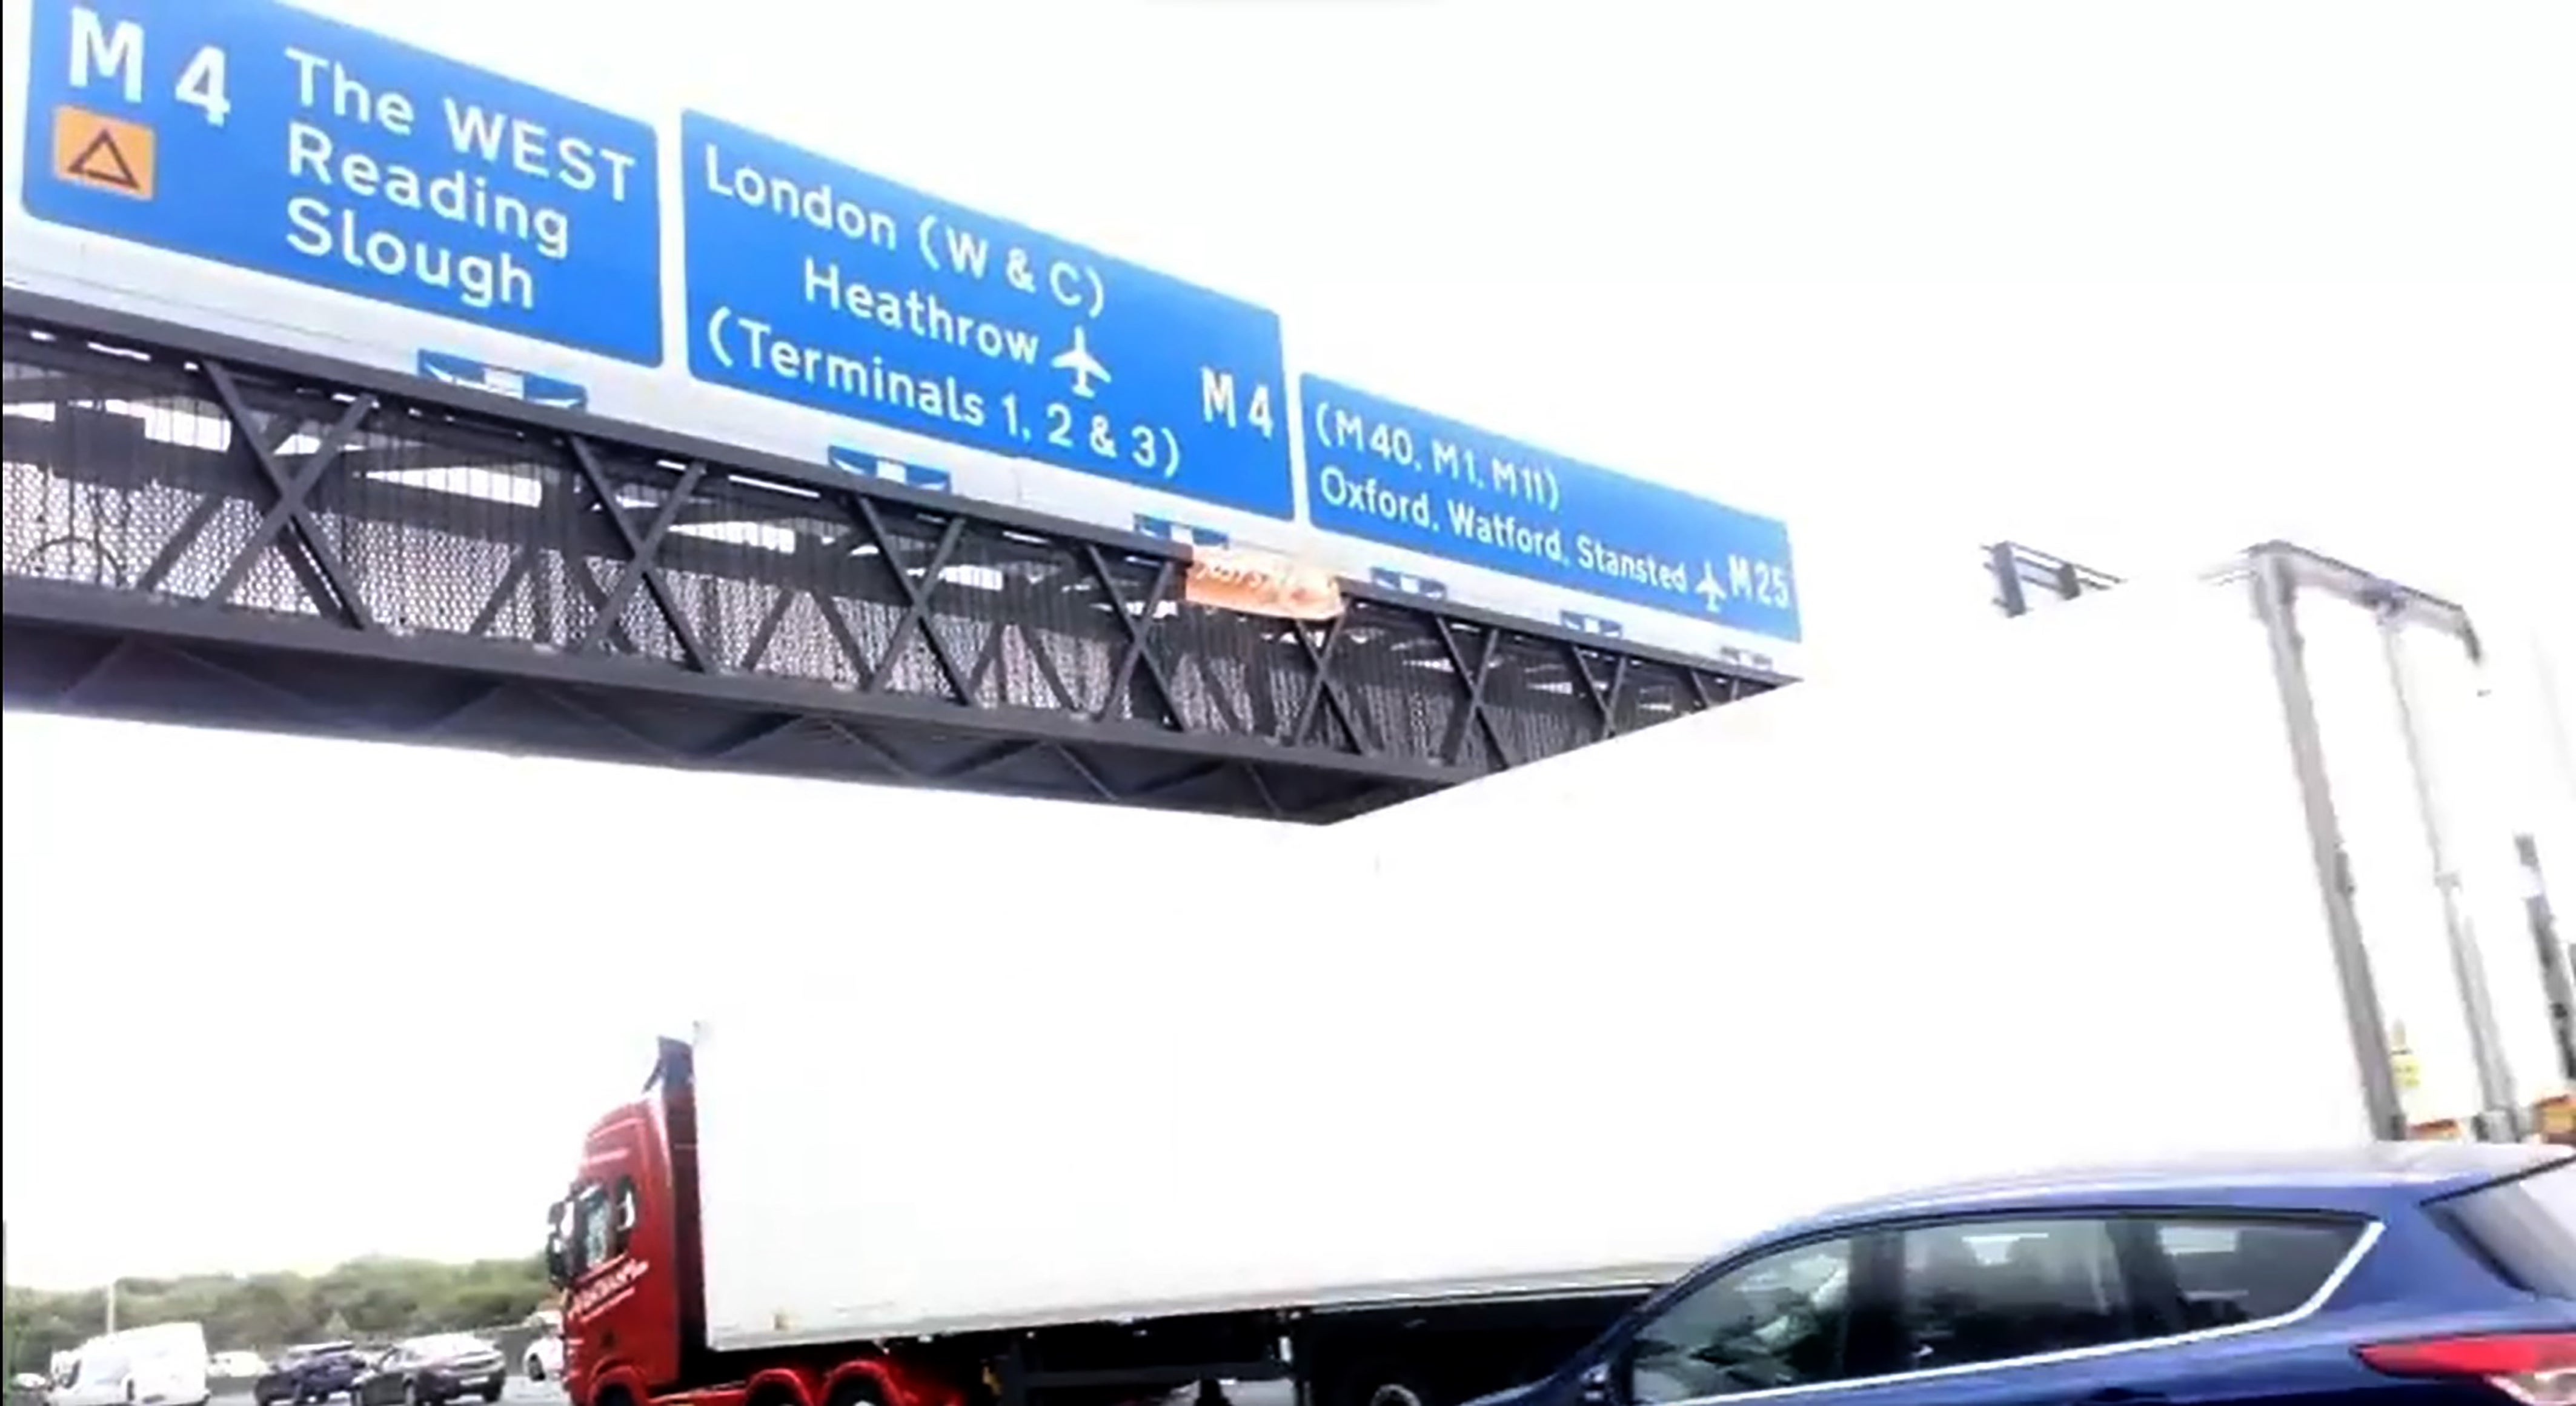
204, 530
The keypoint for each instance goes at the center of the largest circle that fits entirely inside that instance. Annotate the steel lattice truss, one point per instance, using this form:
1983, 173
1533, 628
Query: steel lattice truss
208, 531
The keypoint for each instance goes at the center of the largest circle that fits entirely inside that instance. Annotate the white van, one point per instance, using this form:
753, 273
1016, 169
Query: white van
162, 1365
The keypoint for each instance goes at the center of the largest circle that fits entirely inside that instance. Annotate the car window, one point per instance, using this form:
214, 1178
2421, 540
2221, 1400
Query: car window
1780, 1321
2231, 1270
1989, 1291
2527, 1228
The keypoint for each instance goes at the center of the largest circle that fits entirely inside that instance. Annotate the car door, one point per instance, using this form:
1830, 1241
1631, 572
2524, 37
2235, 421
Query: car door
386, 1382
1799, 1316
76, 1379
342, 1372
98, 1375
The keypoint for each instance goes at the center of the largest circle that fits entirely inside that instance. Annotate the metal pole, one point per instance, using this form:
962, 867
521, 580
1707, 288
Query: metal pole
2368, 1027
2007, 569
111, 1305
2554, 972
2499, 1116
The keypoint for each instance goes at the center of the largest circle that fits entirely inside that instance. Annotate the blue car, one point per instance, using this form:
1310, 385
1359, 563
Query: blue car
2398, 1273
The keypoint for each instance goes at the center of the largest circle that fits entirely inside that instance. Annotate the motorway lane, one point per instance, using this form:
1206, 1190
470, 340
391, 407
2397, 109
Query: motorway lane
519, 1391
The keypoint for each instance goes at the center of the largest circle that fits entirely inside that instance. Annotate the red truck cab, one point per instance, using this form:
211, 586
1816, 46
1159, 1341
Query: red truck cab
623, 1248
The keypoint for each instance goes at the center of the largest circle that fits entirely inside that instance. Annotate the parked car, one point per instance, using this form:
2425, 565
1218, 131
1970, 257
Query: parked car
544, 1359
2400, 1273
236, 1366
310, 1372
427, 1370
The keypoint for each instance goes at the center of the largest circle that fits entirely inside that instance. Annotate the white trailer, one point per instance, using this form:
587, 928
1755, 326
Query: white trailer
2266, 823
2202, 864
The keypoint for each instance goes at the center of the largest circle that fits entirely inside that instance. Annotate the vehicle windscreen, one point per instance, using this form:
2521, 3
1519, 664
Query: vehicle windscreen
2526, 1227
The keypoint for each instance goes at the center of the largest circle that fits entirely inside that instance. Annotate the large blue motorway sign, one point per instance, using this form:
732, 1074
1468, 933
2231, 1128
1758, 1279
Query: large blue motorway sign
817, 283
256, 169
1407, 478
258, 135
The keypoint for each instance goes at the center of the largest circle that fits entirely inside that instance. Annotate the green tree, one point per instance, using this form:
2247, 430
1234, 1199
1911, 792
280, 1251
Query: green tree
372, 1300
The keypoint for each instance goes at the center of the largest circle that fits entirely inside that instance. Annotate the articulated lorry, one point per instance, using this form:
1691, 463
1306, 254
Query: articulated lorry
1410, 1114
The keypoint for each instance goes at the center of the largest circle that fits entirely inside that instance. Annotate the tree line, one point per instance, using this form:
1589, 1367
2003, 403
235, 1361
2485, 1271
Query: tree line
374, 1299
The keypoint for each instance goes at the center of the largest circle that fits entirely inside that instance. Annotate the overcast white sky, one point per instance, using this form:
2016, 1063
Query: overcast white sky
2138, 283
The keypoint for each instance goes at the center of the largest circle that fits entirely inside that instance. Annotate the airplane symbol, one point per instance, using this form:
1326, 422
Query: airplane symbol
1079, 360
1710, 588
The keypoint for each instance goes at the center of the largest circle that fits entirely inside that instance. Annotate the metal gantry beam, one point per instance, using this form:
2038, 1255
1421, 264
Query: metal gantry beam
2025, 578
205, 530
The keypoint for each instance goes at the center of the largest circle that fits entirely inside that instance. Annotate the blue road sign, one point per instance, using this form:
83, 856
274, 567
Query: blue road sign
1389, 473
817, 283
262, 136
448, 368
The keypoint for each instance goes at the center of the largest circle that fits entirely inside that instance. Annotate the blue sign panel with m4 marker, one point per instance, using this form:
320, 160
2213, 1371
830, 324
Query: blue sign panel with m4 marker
813, 282
1407, 478
262, 136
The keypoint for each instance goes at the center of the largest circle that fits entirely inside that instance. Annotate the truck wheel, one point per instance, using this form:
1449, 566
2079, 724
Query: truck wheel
857, 1389
1395, 1392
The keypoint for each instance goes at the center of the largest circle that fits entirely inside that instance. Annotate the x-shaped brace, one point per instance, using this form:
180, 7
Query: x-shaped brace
918, 594
642, 549
1140, 624
1605, 700
1473, 679
1326, 689
317, 565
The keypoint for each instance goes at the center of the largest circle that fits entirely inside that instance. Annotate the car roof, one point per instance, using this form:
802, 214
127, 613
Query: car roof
2370, 1179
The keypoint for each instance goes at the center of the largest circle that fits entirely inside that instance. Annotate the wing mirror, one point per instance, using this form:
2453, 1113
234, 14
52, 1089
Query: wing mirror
558, 1263
1595, 1386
